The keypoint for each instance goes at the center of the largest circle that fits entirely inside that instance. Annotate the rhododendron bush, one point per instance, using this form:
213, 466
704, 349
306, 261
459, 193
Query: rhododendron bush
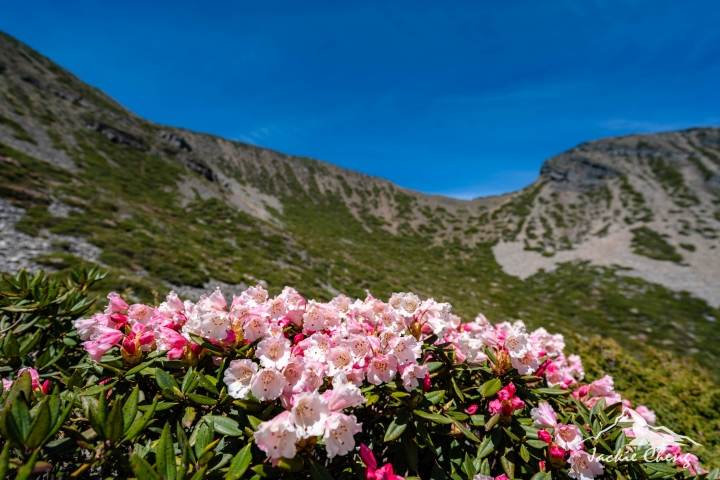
262, 386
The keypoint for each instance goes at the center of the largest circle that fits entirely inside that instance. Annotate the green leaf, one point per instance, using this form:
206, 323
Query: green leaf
541, 476
142, 468
207, 384
165, 455
201, 399
551, 391
491, 387
40, 427
21, 415
142, 422
508, 465
200, 474
524, 453
240, 463
318, 471
435, 396
458, 392
396, 427
469, 467
467, 432
130, 408
225, 425
433, 417
187, 380
11, 348
5, 460
486, 447
21, 385
491, 423
26, 470
164, 380
140, 367
115, 426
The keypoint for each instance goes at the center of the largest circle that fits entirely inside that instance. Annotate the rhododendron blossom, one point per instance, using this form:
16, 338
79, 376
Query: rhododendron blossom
323, 366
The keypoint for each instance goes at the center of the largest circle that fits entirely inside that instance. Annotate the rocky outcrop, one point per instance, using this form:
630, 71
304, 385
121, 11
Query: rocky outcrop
576, 172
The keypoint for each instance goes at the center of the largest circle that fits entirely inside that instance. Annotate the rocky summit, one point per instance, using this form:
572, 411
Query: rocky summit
617, 236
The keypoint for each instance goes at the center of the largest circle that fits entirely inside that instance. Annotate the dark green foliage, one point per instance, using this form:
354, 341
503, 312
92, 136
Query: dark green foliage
18, 131
652, 244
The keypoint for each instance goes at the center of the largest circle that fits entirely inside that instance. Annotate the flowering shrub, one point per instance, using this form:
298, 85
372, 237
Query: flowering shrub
287, 387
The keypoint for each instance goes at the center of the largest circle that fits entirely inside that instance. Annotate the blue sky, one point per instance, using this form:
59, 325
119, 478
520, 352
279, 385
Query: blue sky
460, 98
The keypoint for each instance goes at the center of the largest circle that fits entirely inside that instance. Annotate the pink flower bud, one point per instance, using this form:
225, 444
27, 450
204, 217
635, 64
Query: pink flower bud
501, 477
146, 338
231, 337
119, 319
298, 338
472, 409
427, 384
367, 457
129, 346
545, 436
583, 391
557, 452
196, 349
542, 465
45, 387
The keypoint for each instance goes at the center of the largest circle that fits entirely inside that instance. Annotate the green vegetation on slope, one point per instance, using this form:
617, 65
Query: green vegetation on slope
652, 244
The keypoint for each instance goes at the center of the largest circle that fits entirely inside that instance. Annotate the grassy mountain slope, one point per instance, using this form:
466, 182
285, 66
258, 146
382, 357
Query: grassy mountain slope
83, 180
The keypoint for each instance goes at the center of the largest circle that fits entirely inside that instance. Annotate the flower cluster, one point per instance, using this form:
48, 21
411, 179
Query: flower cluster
313, 358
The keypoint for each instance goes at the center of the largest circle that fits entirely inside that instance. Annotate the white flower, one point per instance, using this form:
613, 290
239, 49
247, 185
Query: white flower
309, 414
339, 360
584, 466
312, 377
274, 352
277, 437
314, 318
517, 342
237, 377
294, 372
382, 369
471, 348
358, 347
343, 394
543, 416
339, 431
411, 374
568, 437
405, 303
526, 365
255, 328
319, 347
406, 349
267, 384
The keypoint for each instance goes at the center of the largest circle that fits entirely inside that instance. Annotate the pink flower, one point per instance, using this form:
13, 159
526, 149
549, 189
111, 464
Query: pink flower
501, 477
568, 437
384, 473
410, 374
140, 313
382, 369
543, 416
427, 384
339, 433
495, 407
343, 394
117, 304
689, 461
471, 409
557, 452
603, 387
647, 414
507, 392
129, 346
584, 466
545, 436
277, 437
367, 457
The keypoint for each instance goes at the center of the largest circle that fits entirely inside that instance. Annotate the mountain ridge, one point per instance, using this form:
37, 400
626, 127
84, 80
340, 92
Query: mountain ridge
86, 181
